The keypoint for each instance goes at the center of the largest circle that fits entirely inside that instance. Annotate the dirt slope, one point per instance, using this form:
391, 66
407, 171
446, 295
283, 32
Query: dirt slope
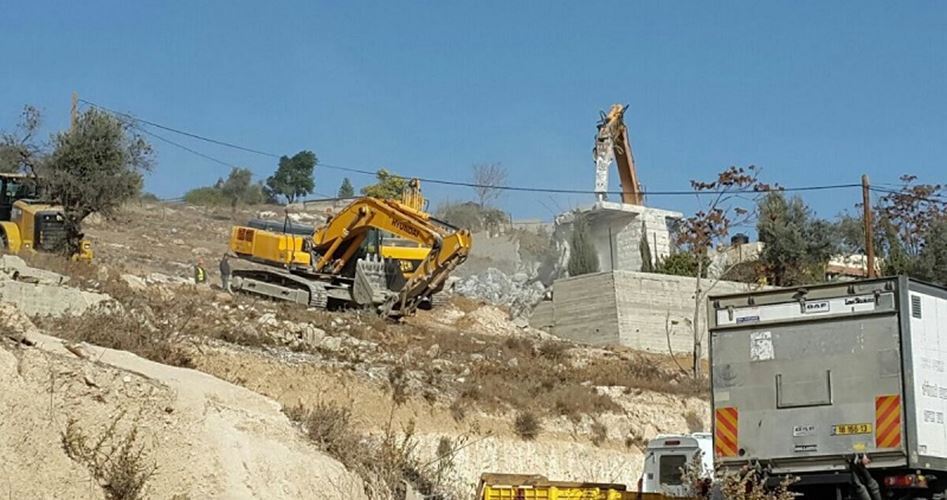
209, 438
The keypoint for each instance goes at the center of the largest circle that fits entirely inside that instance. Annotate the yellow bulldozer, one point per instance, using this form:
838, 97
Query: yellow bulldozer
380, 253
27, 223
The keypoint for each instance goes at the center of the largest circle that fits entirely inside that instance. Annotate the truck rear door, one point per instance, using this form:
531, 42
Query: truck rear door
803, 379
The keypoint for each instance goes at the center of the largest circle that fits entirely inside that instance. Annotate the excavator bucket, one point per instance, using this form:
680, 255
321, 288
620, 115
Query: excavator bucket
369, 286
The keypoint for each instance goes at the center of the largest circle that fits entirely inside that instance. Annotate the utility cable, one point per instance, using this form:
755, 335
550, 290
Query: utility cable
440, 181
178, 131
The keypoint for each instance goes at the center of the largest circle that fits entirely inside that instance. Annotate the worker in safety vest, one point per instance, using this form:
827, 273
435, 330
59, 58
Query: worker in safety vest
200, 275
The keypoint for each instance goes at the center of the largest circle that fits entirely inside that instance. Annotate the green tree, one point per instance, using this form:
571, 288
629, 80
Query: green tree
94, 167
205, 196
18, 149
237, 188
905, 219
723, 203
389, 186
682, 263
293, 177
796, 245
583, 259
644, 248
932, 262
346, 190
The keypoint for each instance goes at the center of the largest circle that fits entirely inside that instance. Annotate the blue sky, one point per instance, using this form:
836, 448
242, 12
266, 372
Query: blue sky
813, 92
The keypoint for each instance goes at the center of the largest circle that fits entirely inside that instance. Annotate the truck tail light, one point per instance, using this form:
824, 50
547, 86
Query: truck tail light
906, 481
672, 442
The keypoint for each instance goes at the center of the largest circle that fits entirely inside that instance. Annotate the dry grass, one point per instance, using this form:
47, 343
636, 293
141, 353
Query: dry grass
636, 441
329, 426
156, 336
694, 422
383, 462
158, 324
554, 350
599, 433
119, 463
746, 484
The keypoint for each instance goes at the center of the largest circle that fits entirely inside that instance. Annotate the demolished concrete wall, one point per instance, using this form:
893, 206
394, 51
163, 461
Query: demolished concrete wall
37, 292
617, 230
632, 309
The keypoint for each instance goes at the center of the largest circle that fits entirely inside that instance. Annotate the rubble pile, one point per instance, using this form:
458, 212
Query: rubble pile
518, 292
40, 292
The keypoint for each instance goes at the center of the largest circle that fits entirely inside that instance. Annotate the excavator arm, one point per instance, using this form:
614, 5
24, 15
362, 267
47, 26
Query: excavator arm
338, 241
612, 142
430, 275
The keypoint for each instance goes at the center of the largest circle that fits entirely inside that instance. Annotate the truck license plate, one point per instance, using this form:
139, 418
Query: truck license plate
850, 429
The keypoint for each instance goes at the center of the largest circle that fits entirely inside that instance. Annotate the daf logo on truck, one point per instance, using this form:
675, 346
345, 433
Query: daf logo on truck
821, 306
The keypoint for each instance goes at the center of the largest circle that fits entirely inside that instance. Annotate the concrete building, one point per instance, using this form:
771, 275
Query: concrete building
643, 311
617, 230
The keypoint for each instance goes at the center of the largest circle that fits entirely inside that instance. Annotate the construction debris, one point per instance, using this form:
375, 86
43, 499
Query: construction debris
37, 292
519, 292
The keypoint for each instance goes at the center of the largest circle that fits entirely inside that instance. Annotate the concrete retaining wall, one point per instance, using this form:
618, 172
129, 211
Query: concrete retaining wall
584, 309
633, 309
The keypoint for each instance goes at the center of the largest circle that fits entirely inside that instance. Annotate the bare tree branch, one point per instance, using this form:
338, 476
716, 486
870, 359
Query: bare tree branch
488, 178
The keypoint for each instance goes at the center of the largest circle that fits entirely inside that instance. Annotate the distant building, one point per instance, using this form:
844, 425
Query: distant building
848, 267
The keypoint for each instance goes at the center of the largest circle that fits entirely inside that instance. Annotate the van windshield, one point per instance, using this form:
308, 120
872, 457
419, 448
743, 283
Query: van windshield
670, 469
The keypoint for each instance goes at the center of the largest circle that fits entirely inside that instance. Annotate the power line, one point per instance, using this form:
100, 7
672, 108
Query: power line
932, 199
442, 181
581, 191
178, 131
185, 148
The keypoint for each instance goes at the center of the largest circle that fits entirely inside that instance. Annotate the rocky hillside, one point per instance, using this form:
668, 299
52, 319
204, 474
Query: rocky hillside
270, 389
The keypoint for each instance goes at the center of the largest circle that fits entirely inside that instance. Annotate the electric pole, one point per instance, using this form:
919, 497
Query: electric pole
74, 112
869, 237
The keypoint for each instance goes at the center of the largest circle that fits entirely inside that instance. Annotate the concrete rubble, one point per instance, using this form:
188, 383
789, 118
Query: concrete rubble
140, 283
37, 292
518, 292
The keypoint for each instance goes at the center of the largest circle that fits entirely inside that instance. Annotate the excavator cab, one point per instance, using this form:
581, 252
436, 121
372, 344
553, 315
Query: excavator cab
14, 187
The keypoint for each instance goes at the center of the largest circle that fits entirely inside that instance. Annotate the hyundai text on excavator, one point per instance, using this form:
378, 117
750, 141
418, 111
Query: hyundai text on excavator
347, 262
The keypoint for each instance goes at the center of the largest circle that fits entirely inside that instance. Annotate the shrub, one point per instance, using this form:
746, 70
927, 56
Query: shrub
206, 196
554, 350
120, 464
583, 259
599, 433
329, 426
472, 216
681, 264
527, 425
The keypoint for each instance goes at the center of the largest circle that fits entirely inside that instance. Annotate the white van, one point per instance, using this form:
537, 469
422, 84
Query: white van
666, 456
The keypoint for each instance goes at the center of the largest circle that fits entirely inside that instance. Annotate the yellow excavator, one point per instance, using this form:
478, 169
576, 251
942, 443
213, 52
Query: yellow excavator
349, 261
29, 224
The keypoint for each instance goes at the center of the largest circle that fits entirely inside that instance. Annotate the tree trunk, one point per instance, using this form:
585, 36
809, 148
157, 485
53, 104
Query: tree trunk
72, 223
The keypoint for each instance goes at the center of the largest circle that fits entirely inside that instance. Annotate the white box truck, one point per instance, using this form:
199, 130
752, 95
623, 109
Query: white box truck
842, 385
